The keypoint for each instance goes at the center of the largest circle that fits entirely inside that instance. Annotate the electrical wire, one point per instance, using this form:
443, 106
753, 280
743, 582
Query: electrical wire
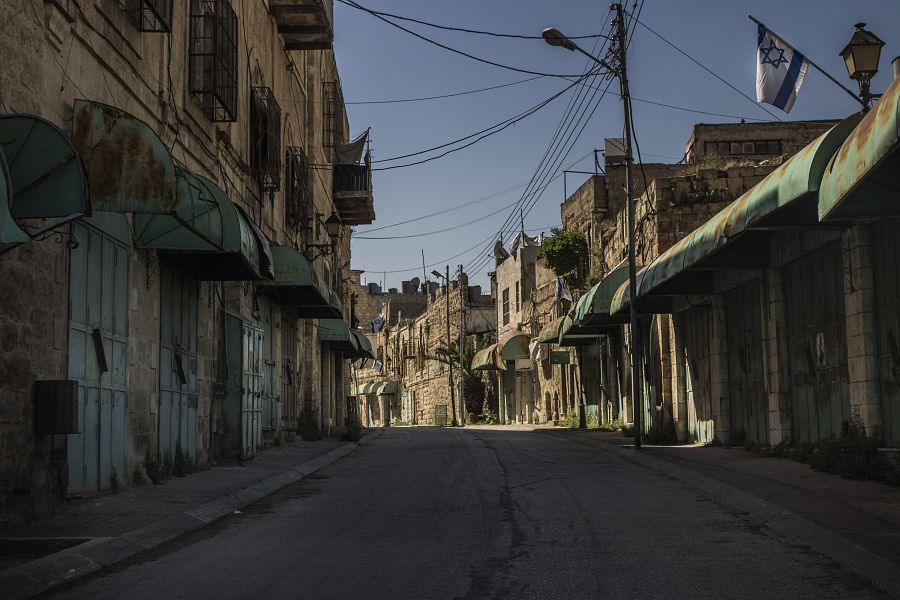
445, 229
475, 31
544, 174
708, 70
483, 134
444, 211
358, 6
453, 95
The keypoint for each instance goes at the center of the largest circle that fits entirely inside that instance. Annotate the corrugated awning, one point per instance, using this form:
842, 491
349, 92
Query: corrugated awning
862, 180
364, 347
571, 335
550, 332
337, 333
486, 359
386, 388
210, 234
592, 309
513, 345
298, 286
735, 237
42, 178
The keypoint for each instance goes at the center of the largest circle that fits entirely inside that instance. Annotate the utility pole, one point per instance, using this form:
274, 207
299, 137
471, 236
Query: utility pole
621, 51
463, 294
449, 361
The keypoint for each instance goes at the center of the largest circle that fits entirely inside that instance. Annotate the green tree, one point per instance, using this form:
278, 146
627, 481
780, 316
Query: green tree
473, 385
565, 252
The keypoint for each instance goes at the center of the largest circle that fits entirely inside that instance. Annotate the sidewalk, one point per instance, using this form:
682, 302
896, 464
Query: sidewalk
99, 532
856, 523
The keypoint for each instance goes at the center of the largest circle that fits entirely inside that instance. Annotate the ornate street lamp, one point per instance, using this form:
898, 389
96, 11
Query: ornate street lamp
333, 229
861, 55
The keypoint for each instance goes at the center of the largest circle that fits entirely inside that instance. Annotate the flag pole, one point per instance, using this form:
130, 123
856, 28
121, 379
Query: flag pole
809, 60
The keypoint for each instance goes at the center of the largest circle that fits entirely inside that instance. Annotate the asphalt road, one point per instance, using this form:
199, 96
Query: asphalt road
479, 513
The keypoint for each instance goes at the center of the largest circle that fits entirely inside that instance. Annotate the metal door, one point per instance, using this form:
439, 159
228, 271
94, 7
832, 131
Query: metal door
886, 250
290, 379
651, 379
696, 325
179, 298
251, 393
817, 343
326, 387
406, 410
98, 358
270, 383
746, 390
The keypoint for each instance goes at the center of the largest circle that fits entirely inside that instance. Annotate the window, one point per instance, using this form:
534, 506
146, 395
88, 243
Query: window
149, 15
506, 306
740, 148
332, 118
213, 58
297, 194
518, 305
265, 139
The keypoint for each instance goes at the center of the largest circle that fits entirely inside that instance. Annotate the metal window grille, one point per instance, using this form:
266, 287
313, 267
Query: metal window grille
329, 117
149, 15
506, 306
213, 58
265, 138
297, 193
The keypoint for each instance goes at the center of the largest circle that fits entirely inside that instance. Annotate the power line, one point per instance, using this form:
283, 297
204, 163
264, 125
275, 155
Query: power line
707, 69
444, 211
451, 228
476, 31
358, 6
484, 133
453, 95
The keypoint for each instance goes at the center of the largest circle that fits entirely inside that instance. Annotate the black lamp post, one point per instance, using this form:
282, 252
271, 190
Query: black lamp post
333, 229
861, 55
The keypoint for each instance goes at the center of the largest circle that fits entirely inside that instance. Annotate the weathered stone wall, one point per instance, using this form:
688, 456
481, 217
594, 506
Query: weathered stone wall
56, 52
792, 136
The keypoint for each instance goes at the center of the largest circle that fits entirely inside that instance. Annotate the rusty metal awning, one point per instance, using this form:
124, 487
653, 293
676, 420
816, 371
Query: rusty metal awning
862, 178
572, 335
550, 332
736, 236
592, 309
297, 286
386, 388
41, 177
486, 359
513, 345
646, 305
208, 234
337, 333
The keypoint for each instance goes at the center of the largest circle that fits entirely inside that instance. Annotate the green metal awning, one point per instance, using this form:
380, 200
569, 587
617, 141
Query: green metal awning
736, 236
364, 347
569, 334
386, 388
298, 286
550, 332
592, 309
210, 235
513, 345
368, 388
862, 180
337, 333
646, 305
128, 167
486, 359
41, 177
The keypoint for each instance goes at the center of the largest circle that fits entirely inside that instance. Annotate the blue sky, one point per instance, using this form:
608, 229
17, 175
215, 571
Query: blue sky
380, 62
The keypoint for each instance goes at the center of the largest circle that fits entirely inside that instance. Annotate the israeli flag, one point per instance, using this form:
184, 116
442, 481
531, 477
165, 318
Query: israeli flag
779, 70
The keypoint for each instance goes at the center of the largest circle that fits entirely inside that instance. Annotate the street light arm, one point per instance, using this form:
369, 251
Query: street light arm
599, 61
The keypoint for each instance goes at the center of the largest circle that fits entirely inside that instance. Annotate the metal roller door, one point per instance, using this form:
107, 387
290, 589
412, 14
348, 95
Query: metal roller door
817, 344
886, 246
696, 326
746, 390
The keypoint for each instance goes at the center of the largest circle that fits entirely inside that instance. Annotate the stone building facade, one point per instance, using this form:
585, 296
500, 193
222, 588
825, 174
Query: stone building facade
423, 394
169, 299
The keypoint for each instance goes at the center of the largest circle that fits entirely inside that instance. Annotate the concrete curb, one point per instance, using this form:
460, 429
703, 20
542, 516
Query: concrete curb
68, 565
770, 518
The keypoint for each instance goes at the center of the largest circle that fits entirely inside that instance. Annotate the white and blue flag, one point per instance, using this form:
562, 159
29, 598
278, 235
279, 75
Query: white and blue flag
779, 70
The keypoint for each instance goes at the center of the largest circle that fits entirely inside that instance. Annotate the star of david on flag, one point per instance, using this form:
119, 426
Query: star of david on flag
779, 70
